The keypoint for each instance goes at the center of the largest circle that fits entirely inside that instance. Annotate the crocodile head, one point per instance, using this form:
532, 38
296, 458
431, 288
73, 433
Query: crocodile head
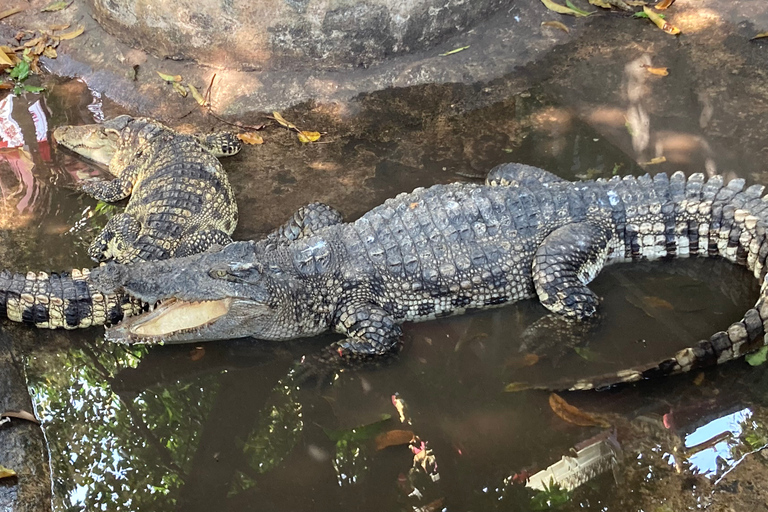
112, 143
214, 295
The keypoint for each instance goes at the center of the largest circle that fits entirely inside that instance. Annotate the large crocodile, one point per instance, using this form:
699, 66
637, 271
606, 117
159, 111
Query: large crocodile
450, 248
181, 201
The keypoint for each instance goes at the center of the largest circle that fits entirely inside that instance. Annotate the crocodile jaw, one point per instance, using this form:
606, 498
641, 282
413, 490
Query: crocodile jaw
172, 319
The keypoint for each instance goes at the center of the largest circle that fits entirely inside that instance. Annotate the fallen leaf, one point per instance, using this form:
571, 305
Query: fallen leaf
530, 359
575, 415
600, 3
179, 89
251, 138
582, 12
73, 34
401, 407
560, 9
757, 358
457, 50
6, 86
197, 353
54, 28
393, 438
170, 78
10, 12
655, 161
56, 6
514, 387
196, 94
306, 137
281, 120
660, 22
664, 4
5, 60
33, 42
6, 473
20, 415
657, 71
50, 52
556, 24
699, 380
761, 35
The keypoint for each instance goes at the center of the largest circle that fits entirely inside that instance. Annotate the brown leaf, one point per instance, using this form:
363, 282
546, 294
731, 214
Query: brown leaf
530, 359
655, 161
251, 138
5, 60
5, 86
21, 415
281, 120
306, 137
661, 22
56, 6
10, 12
50, 52
664, 4
197, 353
170, 78
72, 34
575, 415
6, 473
54, 28
657, 71
33, 42
556, 24
393, 438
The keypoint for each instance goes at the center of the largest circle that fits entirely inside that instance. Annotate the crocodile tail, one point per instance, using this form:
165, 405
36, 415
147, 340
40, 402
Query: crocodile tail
701, 218
66, 300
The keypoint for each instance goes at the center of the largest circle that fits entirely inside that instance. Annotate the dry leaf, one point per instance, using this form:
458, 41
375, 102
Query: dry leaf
561, 9
514, 387
699, 380
761, 35
196, 94
600, 3
657, 71
73, 34
54, 28
50, 52
280, 119
306, 137
170, 78
251, 138
661, 22
664, 4
9, 12
658, 302
56, 6
180, 89
197, 353
393, 438
20, 415
33, 42
530, 359
655, 161
456, 50
575, 415
5, 60
5, 86
6, 473
556, 24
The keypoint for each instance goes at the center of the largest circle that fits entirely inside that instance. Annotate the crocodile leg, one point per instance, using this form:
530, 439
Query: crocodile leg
568, 259
116, 238
220, 143
305, 222
107, 190
201, 241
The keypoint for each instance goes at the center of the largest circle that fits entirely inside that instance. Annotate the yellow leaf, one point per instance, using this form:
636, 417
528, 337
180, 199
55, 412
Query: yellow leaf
656, 161
73, 34
170, 78
555, 24
251, 138
561, 9
761, 35
196, 94
657, 71
180, 89
50, 52
457, 50
21, 415
55, 6
514, 387
280, 119
664, 4
661, 22
699, 380
54, 28
600, 3
9, 12
575, 415
6, 473
393, 438
5, 60
306, 137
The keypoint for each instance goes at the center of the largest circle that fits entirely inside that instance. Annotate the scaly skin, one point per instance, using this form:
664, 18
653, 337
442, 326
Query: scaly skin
181, 202
450, 248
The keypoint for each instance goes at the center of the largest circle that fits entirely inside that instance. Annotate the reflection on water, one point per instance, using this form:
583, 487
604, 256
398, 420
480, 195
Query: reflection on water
221, 427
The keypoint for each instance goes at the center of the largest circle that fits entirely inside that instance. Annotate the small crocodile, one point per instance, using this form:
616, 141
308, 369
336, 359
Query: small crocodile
181, 202
450, 248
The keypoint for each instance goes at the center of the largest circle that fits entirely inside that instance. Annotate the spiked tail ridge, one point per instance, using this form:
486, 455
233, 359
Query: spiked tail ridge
701, 218
67, 300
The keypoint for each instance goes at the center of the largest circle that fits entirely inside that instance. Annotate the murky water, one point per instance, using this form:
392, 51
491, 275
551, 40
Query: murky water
215, 427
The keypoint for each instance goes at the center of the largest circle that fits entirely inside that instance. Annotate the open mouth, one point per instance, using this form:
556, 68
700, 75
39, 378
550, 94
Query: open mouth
171, 317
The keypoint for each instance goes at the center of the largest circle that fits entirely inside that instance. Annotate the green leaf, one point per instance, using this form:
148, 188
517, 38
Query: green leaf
457, 50
20, 71
56, 6
33, 88
641, 14
360, 433
757, 358
580, 11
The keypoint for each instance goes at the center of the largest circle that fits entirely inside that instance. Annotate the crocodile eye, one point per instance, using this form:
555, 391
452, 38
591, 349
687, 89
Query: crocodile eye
218, 274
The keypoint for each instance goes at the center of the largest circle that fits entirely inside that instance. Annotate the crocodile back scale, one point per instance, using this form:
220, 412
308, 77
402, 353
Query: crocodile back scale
450, 248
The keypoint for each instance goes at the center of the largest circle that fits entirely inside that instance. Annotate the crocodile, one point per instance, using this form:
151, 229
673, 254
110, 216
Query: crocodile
181, 201
446, 249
